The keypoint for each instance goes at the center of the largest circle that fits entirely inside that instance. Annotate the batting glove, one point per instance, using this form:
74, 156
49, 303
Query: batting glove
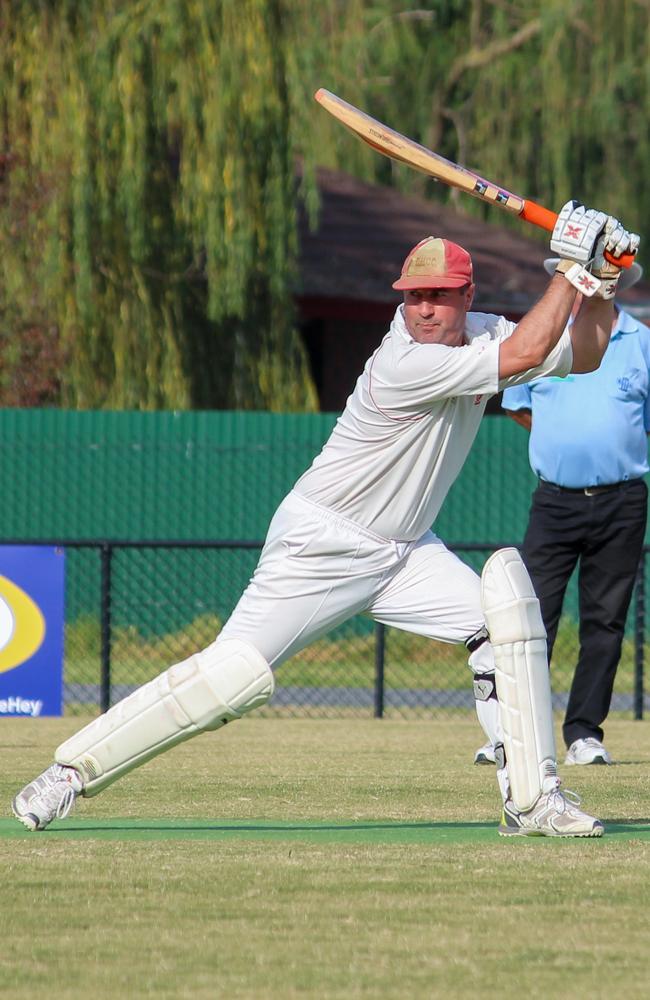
577, 231
616, 240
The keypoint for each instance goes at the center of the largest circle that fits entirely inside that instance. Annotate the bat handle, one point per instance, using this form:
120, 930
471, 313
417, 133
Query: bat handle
545, 219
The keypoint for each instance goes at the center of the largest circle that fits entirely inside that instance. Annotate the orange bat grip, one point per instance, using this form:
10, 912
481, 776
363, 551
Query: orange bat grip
545, 219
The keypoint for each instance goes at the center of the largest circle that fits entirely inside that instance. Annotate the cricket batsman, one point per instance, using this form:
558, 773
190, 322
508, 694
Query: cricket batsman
355, 535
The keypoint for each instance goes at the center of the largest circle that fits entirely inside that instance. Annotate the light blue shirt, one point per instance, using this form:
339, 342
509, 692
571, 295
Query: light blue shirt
591, 429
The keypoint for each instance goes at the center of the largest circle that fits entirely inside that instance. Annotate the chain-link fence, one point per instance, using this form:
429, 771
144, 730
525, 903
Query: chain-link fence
132, 609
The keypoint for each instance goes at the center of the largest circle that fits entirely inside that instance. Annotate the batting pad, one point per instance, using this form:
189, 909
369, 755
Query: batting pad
518, 638
204, 692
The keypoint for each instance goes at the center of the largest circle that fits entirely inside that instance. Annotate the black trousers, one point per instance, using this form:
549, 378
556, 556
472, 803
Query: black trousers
605, 532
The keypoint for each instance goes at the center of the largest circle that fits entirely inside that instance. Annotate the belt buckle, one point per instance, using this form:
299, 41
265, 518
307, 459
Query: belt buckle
594, 491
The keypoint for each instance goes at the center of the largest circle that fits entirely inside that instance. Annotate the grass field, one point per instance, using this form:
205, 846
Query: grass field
324, 859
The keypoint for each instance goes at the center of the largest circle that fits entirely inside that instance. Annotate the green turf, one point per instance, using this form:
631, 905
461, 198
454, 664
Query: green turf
309, 832
322, 859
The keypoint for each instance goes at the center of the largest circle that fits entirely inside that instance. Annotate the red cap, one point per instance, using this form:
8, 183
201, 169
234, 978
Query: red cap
435, 263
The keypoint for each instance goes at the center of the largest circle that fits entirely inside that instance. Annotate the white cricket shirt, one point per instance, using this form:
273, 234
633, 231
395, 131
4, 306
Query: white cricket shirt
409, 424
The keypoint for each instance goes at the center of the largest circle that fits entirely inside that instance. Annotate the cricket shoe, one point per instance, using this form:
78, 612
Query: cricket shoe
485, 755
50, 796
587, 751
553, 815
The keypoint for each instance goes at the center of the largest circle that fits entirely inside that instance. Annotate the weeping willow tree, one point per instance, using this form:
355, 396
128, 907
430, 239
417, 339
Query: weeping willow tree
551, 100
148, 198
147, 192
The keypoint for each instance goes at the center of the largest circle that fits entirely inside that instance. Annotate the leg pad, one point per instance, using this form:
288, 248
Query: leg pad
204, 692
518, 640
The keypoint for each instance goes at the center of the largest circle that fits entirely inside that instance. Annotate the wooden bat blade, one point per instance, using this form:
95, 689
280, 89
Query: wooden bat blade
398, 147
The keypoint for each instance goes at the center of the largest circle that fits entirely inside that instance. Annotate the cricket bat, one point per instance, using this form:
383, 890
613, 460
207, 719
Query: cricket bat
396, 146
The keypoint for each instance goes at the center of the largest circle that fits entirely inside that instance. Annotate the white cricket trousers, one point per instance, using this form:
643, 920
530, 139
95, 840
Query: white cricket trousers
318, 569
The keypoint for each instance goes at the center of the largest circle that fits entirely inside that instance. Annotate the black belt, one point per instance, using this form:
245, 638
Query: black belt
591, 491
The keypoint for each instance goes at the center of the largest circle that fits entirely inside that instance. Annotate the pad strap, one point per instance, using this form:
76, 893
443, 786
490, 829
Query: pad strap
578, 276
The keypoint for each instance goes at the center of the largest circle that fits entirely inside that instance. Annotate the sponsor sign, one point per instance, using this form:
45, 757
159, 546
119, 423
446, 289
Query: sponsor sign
31, 630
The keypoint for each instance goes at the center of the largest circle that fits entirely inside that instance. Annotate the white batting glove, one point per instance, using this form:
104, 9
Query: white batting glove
576, 232
616, 240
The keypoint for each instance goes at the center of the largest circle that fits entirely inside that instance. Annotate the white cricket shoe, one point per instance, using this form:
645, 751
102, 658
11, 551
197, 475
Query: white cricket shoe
587, 751
553, 815
485, 755
50, 796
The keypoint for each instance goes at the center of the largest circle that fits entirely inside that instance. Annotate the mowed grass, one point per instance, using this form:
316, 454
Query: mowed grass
329, 859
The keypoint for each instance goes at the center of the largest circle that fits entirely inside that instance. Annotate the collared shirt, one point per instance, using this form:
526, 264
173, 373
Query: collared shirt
409, 424
591, 429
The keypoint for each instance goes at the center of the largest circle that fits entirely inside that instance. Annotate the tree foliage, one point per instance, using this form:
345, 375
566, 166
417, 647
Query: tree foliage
148, 201
148, 249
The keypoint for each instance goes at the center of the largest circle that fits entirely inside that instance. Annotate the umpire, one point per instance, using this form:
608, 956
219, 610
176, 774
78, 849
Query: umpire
588, 446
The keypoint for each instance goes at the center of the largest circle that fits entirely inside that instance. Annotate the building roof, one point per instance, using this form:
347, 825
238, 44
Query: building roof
365, 231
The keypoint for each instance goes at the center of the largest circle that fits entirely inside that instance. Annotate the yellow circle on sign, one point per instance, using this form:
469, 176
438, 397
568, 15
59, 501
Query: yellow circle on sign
22, 626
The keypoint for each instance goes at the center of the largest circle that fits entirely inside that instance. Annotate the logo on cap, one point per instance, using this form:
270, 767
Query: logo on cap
428, 261
435, 263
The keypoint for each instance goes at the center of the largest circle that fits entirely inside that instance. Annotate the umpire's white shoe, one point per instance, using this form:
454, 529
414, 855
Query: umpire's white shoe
50, 796
485, 755
553, 815
587, 751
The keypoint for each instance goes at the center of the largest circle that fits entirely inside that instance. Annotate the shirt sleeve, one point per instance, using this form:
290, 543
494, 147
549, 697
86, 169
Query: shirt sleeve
518, 397
644, 334
423, 374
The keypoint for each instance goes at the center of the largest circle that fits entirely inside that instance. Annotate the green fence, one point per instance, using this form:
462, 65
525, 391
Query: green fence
217, 477
211, 475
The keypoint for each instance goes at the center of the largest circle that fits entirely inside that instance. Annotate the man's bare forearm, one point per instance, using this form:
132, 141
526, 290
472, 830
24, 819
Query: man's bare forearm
590, 332
522, 417
539, 330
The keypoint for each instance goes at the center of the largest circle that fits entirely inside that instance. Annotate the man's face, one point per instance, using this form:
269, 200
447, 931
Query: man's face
437, 315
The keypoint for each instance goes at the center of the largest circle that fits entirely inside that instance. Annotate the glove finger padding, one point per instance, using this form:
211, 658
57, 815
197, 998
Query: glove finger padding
618, 240
576, 232
615, 240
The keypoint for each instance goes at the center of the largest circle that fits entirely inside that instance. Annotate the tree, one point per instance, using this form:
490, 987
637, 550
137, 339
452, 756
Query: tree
148, 202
